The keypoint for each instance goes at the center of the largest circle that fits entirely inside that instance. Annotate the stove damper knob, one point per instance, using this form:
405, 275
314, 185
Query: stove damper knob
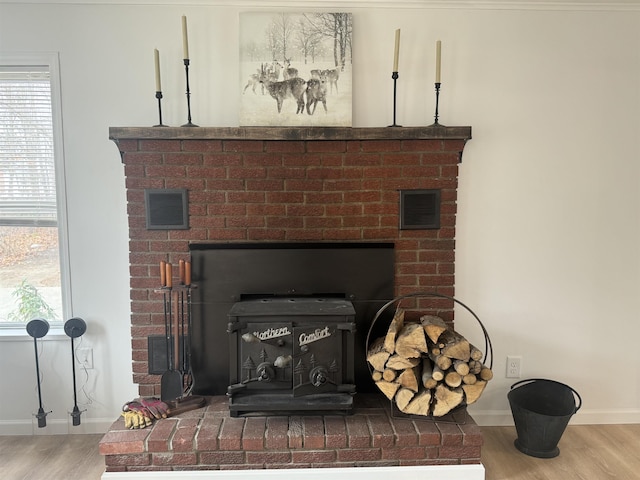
318, 376
265, 372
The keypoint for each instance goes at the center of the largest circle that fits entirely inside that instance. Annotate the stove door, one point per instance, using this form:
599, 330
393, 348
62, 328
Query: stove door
318, 359
265, 356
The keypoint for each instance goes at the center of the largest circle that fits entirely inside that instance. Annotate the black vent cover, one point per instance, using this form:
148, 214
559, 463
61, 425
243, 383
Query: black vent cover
419, 209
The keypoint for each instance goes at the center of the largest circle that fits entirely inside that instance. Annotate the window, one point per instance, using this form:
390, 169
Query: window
33, 246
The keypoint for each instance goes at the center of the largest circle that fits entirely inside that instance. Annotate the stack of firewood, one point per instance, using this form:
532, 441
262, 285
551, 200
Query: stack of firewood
427, 368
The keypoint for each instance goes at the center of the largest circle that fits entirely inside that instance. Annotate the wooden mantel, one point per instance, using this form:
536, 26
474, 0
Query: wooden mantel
437, 132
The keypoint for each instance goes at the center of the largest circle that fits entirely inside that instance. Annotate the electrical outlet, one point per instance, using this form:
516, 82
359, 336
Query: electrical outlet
514, 364
85, 357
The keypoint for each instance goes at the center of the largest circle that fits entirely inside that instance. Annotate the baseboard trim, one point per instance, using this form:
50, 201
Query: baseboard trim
498, 418
433, 472
55, 426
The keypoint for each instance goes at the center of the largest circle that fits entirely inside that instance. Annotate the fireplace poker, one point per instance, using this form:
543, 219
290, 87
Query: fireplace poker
38, 328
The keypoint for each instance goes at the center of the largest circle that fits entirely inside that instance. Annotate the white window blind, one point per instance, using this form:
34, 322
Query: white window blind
27, 165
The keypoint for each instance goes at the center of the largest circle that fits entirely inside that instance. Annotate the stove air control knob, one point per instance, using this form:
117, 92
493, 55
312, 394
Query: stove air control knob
265, 372
318, 376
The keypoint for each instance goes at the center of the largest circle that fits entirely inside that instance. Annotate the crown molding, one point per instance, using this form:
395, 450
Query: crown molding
573, 5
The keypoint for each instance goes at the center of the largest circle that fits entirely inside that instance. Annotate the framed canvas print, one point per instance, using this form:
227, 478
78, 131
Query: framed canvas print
295, 69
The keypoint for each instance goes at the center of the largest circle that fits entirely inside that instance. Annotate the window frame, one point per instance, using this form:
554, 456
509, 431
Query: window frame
50, 60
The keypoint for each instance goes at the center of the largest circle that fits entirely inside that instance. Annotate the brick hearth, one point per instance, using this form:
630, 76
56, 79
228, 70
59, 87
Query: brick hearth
209, 439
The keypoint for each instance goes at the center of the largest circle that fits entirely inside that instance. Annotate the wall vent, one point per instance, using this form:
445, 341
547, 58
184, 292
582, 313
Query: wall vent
419, 209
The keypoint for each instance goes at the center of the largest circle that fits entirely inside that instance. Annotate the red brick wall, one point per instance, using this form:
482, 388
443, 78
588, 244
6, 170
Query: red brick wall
265, 190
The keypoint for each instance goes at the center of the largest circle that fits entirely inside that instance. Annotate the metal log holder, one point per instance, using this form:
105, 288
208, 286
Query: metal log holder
394, 76
186, 71
459, 414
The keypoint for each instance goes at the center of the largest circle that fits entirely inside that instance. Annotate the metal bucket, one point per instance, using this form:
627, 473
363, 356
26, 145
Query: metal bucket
541, 411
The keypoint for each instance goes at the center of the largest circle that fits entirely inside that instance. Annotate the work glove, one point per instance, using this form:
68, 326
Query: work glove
134, 419
156, 408
143, 411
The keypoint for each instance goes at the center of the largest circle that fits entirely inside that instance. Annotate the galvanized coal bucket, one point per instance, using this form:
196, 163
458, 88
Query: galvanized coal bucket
541, 411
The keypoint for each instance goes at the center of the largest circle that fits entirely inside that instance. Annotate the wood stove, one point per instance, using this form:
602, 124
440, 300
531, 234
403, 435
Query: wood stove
297, 315
291, 354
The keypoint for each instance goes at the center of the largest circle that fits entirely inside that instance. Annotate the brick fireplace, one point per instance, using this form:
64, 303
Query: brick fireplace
262, 185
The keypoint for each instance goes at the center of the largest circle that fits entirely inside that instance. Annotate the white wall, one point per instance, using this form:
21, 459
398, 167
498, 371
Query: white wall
548, 236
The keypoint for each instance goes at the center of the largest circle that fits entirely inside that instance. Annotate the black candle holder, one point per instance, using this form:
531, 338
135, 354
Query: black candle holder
394, 75
437, 101
186, 71
159, 97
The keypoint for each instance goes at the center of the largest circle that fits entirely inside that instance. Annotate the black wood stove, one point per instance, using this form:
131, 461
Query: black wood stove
291, 354
297, 316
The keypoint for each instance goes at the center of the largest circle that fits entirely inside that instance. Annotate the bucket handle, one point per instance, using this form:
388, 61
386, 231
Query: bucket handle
553, 381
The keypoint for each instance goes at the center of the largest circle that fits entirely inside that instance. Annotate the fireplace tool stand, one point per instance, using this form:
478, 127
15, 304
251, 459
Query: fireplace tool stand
458, 414
176, 381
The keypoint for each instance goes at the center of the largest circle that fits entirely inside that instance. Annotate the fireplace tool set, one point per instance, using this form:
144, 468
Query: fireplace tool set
176, 381
74, 328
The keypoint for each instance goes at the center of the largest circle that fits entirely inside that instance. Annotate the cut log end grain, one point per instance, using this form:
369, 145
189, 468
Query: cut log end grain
420, 404
403, 397
411, 342
397, 323
377, 356
388, 388
472, 392
433, 326
446, 399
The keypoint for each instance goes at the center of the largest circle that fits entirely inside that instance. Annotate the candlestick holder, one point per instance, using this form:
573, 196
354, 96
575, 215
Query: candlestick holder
186, 71
159, 97
437, 101
394, 75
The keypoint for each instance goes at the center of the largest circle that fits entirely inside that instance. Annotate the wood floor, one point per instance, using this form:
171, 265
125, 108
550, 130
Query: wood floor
587, 452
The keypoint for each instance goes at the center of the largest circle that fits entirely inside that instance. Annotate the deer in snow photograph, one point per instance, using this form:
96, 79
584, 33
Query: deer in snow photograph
296, 60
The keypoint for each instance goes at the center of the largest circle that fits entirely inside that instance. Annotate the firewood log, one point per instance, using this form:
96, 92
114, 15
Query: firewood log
409, 379
427, 370
376, 355
433, 326
389, 374
420, 404
453, 379
376, 375
472, 392
397, 362
438, 373
446, 399
486, 373
455, 345
475, 367
403, 397
441, 361
475, 353
394, 328
461, 367
469, 379
388, 388
411, 342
